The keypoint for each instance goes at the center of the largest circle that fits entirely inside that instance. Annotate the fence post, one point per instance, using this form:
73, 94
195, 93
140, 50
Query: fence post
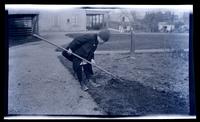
37, 24
132, 50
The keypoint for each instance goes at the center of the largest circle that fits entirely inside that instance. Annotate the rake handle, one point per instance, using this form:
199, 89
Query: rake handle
77, 56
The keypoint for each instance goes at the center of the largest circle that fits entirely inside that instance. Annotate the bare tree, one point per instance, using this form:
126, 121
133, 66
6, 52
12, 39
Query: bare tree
131, 15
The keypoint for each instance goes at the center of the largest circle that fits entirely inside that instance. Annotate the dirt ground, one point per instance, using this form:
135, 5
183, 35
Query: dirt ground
154, 84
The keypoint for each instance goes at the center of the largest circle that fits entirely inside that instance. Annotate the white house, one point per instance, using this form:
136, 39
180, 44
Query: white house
61, 20
165, 27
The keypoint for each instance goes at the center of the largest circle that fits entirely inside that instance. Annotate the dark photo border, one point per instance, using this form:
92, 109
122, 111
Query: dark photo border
193, 37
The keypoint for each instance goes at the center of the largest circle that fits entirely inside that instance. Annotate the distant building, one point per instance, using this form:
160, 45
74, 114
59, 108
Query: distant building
124, 24
165, 27
65, 20
73, 20
36, 21
183, 28
123, 20
22, 24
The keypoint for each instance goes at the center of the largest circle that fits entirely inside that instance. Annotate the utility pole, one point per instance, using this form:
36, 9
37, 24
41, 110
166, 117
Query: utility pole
132, 42
131, 20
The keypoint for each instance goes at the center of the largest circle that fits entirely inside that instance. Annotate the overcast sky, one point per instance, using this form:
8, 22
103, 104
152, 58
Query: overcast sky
140, 9
57, 7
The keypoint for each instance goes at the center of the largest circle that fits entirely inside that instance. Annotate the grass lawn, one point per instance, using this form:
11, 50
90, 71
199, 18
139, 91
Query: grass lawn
144, 41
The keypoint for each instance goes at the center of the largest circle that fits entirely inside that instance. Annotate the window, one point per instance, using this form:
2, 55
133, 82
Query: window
97, 19
100, 18
94, 21
75, 20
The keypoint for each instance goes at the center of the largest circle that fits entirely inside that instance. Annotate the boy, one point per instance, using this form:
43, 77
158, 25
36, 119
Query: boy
85, 46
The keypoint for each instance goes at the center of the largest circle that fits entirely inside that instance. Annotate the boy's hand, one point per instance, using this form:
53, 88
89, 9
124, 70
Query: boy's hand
93, 62
69, 51
83, 63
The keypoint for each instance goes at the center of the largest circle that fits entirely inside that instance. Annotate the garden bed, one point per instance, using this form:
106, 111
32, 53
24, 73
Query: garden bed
154, 83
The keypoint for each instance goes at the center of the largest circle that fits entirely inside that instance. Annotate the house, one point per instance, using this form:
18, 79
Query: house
36, 21
72, 20
123, 20
62, 20
165, 27
22, 23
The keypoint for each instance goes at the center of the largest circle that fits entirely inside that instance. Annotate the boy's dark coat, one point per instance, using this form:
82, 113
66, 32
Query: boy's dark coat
83, 46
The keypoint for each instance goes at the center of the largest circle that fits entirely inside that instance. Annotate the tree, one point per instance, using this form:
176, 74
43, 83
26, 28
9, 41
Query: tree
152, 19
178, 24
185, 18
131, 15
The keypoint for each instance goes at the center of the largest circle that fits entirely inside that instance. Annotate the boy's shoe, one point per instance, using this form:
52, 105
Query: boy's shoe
93, 83
75, 76
84, 87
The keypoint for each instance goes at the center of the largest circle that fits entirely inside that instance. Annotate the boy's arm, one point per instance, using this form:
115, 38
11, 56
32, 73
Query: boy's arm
91, 56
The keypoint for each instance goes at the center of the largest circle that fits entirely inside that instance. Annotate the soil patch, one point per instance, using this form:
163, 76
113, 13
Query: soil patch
154, 83
132, 98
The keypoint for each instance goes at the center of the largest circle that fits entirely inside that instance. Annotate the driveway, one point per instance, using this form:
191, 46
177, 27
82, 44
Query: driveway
39, 84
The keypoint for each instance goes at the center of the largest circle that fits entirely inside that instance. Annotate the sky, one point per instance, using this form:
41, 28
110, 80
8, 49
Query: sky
140, 9
59, 7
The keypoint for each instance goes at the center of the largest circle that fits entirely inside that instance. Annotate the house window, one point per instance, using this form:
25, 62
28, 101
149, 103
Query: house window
95, 21
100, 18
75, 20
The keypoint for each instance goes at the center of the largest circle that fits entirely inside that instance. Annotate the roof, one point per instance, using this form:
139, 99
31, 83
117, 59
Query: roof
92, 11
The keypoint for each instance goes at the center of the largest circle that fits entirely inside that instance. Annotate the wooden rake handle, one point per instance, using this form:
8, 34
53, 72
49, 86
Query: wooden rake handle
114, 76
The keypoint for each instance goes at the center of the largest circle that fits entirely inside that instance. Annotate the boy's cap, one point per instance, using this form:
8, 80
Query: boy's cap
104, 34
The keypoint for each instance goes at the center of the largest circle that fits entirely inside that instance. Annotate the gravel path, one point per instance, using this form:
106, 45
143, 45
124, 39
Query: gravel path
39, 84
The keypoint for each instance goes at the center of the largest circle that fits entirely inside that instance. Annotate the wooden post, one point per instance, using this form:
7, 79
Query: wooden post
131, 42
132, 50
103, 21
33, 24
107, 21
37, 24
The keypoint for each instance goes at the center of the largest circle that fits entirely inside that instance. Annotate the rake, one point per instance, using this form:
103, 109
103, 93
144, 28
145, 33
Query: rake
102, 69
